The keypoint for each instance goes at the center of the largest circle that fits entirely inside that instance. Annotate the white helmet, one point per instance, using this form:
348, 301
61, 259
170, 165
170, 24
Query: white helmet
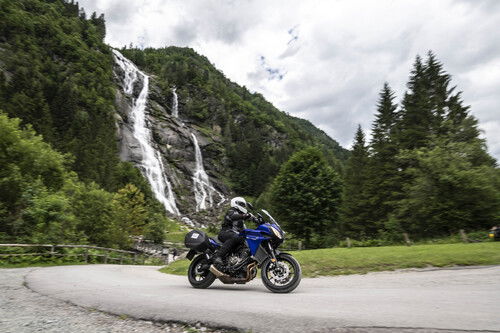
240, 204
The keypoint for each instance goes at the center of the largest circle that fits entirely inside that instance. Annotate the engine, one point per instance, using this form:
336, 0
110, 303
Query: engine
238, 256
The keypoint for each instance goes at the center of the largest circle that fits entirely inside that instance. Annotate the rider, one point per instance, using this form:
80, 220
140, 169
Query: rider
233, 224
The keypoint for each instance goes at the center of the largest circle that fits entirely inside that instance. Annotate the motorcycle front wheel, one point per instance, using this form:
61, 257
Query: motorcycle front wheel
282, 276
199, 274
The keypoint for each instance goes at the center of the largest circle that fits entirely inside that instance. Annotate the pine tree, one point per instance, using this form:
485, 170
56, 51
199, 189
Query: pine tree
417, 118
384, 184
437, 92
447, 174
355, 213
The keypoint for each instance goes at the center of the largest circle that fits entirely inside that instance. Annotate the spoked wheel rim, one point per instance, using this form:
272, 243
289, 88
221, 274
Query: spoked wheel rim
198, 273
281, 273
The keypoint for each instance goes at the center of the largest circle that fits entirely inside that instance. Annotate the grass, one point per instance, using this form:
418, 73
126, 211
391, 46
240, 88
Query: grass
338, 261
178, 267
177, 234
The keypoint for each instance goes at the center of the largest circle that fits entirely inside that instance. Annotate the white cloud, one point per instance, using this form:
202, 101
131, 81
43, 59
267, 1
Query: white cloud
333, 55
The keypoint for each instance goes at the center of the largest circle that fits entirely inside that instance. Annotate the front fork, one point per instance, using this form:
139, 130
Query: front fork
272, 253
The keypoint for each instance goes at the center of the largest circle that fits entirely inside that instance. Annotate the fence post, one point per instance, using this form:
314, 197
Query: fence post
86, 256
135, 258
121, 259
106, 257
463, 235
407, 239
300, 245
52, 251
348, 241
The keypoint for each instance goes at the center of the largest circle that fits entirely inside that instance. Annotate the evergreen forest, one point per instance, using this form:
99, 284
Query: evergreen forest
426, 170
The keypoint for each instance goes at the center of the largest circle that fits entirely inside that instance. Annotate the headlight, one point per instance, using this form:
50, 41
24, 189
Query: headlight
276, 232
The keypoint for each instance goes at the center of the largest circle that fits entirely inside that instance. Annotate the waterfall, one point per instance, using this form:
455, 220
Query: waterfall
203, 191
151, 165
175, 104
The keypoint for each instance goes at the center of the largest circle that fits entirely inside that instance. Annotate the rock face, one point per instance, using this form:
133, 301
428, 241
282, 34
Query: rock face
172, 138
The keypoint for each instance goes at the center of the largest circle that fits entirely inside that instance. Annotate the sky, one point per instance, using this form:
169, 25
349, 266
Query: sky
326, 61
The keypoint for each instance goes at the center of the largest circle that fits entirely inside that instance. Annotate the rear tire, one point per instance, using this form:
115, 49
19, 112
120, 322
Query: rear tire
198, 277
283, 276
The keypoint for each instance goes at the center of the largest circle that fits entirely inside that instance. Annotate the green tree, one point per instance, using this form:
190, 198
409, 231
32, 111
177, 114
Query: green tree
129, 214
355, 212
52, 220
417, 117
448, 192
306, 196
383, 186
156, 227
28, 165
93, 209
444, 164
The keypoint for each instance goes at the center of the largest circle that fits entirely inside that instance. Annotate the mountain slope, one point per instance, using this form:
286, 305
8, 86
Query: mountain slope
58, 75
253, 137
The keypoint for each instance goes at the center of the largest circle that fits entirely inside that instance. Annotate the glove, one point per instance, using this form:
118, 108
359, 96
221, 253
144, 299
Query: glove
253, 218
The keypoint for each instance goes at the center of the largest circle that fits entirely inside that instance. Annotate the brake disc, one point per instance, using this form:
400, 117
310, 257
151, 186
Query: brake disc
280, 272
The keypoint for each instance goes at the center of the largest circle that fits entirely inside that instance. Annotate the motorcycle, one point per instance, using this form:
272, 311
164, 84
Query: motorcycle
280, 272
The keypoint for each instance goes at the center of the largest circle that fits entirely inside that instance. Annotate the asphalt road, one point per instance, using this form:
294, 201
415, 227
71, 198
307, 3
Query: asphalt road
452, 299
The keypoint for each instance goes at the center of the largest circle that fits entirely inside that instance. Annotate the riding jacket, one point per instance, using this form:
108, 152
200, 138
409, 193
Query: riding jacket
234, 220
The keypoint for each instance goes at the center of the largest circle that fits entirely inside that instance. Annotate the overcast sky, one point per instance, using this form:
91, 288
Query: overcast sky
326, 61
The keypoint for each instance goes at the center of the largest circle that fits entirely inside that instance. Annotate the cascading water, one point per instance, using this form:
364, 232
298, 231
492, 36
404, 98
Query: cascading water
203, 191
151, 164
175, 104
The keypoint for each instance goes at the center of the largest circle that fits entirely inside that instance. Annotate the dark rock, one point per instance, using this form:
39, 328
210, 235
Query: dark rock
172, 137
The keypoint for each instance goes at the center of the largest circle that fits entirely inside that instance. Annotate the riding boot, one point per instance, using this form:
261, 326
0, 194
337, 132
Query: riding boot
222, 252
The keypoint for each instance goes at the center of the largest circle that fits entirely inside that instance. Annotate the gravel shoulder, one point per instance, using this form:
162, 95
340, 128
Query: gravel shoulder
23, 310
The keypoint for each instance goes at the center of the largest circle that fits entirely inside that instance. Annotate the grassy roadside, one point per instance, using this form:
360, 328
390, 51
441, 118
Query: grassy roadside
337, 261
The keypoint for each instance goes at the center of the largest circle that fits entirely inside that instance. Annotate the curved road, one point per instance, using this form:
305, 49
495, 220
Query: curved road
452, 299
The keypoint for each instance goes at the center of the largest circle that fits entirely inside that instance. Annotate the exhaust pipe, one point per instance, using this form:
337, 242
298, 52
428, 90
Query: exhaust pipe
224, 278
216, 272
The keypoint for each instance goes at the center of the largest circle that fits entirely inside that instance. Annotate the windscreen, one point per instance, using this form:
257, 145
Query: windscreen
269, 215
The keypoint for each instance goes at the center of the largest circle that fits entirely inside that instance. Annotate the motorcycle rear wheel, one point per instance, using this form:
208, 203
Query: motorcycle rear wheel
283, 276
198, 277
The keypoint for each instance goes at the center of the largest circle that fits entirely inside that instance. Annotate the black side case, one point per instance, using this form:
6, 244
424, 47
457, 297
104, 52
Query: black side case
196, 240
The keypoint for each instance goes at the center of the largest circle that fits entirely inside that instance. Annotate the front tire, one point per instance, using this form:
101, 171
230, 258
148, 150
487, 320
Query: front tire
283, 276
198, 273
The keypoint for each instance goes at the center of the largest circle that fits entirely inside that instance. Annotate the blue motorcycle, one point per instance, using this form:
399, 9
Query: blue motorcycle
280, 272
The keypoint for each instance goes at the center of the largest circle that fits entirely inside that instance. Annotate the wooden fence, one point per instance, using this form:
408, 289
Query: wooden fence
110, 255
